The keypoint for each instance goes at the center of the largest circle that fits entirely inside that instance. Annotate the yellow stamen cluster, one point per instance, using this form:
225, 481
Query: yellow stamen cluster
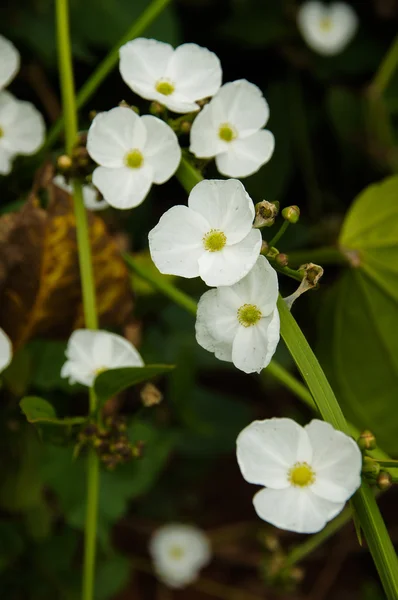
134, 159
214, 240
326, 24
249, 315
164, 87
176, 552
301, 475
226, 132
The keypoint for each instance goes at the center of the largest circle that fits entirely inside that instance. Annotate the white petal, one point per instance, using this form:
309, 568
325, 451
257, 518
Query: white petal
9, 61
22, 124
6, 158
217, 312
225, 205
244, 106
337, 462
204, 139
60, 182
176, 243
112, 351
162, 150
266, 450
245, 156
295, 509
91, 201
142, 63
5, 350
123, 188
195, 70
206, 335
254, 347
232, 263
114, 133
259, 287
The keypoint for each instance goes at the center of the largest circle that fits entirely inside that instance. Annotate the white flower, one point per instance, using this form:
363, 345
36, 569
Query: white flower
212, 238
178, 553
9, 62
5, 350
230, 128
327, 28
21, 130
90, 352
134, 152
240, 324
90, 194
175, 78
309, 472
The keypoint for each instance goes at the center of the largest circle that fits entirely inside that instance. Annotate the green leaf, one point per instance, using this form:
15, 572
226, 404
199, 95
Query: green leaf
113, 381
38, 410
360, 316
112, 576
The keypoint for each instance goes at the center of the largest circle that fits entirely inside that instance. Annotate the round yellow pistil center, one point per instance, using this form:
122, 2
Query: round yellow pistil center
176, 552
226, 132
134, 159
1, 132
326, 24
249, 315
301, 475
164, 87
214, 240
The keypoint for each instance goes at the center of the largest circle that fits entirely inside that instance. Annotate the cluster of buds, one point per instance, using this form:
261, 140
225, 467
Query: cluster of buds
78, 164
274, 569
371, 468
110, 442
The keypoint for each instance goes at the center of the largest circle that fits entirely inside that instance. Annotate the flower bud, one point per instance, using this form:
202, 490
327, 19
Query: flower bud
150, 395
312, 274
265, 214
64, 163
272, 252
291, 213
185, 127
264, 248
155, 108
367, 440
282, 260
384, 481
370, 467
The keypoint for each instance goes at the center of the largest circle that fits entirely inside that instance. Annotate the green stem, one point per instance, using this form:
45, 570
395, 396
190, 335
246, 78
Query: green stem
291, 383
279, 234
86, 276
321, 256
292, 273
392, 464
106, 66
386, 69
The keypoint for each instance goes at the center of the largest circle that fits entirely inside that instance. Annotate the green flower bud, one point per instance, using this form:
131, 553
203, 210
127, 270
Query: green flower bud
291, 213
367, 441
370, 467
384, 481
282, 260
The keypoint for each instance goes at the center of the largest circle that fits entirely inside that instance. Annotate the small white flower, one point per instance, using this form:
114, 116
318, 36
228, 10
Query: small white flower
134, 152
9, 62
90, 194
178, 553
5, 350
90, 352
230, 128
212, 237
240, 324
327, 28
176, 78
309, 472
21, 130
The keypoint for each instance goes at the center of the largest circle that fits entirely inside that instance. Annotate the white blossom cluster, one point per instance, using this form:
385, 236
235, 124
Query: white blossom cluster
22, 127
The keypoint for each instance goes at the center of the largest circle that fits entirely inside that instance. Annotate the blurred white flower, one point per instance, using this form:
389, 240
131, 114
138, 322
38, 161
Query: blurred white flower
309, 472
9, 62
327, 28
212, 238
5, 350
230, 128
90, 194
240, 324
178, 553
176, 78
90, 352
21, 130
134, 152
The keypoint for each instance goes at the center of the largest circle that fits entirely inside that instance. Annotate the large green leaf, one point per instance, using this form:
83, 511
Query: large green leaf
360, 318
38, 410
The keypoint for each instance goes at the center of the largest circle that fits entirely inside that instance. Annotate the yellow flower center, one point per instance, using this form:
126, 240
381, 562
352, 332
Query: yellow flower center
134, 159
249, 315
326, 24
214, 240
1, 132
226, 132
176, 552
301, 475
164, 87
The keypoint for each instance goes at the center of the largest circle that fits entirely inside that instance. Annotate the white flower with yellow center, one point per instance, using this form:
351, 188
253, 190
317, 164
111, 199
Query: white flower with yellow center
240, 324
176, 78
179, 552
5, 350
309, 472
22, 130
9, 62
133, 153
230, 128
327, 28
90, 194
90, 352
212, 238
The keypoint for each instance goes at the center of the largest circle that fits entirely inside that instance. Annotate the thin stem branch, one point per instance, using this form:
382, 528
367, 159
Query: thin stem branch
279, 234
327, 255
386, 69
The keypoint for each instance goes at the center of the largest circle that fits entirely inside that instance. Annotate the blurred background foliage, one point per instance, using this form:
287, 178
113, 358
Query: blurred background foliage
335, 137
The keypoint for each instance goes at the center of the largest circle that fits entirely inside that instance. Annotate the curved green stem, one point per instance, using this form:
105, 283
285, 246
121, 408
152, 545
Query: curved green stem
327, 255
386, 69
106, 66
279, 234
